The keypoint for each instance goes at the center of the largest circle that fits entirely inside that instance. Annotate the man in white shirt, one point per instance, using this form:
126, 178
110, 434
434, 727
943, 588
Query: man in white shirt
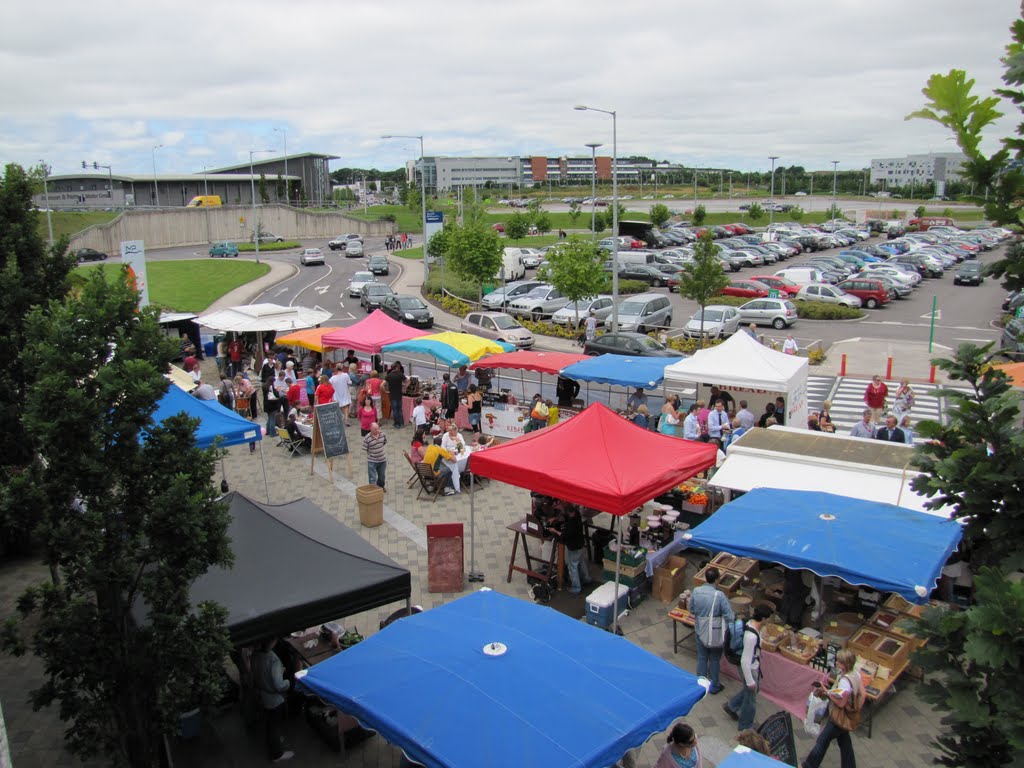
718, 424
864, 428
691, 427
746, 417
340, 382
591, 326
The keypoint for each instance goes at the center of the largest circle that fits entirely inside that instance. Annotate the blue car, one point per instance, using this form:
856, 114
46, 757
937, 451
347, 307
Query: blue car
224, 249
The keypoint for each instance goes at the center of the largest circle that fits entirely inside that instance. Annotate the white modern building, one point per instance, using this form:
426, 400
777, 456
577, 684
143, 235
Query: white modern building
938, 167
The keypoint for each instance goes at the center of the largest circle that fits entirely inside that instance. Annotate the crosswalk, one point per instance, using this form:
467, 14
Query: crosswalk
847, 397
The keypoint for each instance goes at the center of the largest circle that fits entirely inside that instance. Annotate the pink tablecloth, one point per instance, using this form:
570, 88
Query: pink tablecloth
784, 683
461, 415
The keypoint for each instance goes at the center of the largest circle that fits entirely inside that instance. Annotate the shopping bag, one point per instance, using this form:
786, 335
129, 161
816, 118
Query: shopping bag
816, 710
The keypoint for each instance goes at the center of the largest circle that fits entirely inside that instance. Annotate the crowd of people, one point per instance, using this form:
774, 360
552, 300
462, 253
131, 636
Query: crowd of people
720, 419
897, 427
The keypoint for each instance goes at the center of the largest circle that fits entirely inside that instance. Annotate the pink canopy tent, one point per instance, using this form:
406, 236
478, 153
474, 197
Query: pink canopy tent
371, 334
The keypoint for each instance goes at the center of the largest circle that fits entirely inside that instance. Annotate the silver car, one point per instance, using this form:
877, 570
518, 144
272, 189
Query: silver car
311, 256
359, 279
601, 306
499, 327
542, 301
499, 297
719, 321
354, 248
778, 313
827, 294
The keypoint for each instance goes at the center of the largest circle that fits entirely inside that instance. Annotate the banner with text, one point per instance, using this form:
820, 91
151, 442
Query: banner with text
133, 253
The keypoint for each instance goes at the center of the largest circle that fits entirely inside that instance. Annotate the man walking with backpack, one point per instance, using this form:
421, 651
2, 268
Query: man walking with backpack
711, 611
743, 706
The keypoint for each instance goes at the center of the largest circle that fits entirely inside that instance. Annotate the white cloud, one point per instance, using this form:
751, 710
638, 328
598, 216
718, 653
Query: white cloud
717, 84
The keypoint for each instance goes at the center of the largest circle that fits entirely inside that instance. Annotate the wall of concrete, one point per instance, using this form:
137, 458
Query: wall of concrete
199, 226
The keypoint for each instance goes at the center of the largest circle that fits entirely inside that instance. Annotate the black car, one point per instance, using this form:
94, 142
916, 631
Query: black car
379, 265
643, 272
628, 343
372, 294
408, 310
969, 273
88, 254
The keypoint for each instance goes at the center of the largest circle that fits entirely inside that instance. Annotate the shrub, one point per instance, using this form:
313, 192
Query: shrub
450, 304
264, 247
627, 286
817, 310
544, 328
815, 356
688, 346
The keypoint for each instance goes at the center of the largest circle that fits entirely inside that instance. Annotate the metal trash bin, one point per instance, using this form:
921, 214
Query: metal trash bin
371, 505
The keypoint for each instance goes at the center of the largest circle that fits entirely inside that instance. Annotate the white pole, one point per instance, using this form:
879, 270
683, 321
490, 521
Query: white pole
46, 201
156, 186
474, 574
593, 190
771, 196
618, 572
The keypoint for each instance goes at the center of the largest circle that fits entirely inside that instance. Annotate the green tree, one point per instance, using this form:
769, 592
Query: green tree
132, 519
475, 254
660, 214
517, 226
412, 197
542, 222
438, 244
261, 185
919, 211
796, 213
600, 222
576, 269
835, 212
700, 213
32, 275
756, 212
703, 277
574, 212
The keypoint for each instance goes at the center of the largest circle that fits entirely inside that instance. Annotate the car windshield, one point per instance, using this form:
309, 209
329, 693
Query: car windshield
363, 277
504, 322
710, 315
377, 288
631, 307
648, 343
582, 305
410, 303
537, 293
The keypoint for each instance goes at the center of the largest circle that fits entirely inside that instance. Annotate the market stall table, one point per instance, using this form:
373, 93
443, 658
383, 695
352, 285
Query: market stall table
686, 619
461, 415
320, 647
783, 682
530, 527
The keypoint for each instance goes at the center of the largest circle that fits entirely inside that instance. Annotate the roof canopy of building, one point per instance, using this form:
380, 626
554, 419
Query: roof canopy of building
270, 160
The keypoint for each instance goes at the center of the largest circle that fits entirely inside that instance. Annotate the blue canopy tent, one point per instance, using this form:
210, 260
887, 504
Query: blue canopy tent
626, 371
215, 423
490, 680
741, 757
868, 543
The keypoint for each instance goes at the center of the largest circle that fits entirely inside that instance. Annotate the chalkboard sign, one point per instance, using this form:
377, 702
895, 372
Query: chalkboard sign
778, 732
329, 431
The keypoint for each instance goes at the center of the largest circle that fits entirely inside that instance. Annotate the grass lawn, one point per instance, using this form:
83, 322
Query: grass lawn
191, 285
71, 222
406, 219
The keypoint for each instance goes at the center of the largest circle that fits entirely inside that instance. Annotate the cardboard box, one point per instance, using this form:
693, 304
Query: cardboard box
625, 570
669, 579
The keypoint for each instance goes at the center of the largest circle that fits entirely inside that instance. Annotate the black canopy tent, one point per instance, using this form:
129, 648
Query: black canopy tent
295, 567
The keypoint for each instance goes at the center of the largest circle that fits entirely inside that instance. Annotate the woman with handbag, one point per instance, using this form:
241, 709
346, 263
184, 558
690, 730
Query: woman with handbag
669, 416
845, 702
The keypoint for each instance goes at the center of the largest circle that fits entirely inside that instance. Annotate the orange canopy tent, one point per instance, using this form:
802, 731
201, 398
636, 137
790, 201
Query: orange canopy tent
310, 338
1015, 371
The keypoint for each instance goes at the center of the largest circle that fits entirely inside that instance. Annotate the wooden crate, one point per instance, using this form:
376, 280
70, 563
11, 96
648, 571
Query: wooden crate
901, 605
800, 648
892, 623
625, 570
880, 647
772, 636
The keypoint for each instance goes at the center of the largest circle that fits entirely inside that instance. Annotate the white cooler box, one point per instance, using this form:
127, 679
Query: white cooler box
600, 604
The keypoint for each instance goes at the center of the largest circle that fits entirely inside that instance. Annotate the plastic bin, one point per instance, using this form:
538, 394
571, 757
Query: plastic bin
602, 601
371, 505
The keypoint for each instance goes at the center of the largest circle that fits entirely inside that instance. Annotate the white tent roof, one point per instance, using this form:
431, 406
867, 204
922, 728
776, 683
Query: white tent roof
264, 317
740, 361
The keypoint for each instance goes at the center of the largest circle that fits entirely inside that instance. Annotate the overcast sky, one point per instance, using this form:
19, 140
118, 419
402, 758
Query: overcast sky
719, 83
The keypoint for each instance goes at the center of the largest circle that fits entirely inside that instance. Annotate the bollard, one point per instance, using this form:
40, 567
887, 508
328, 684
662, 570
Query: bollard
931, 378
888, 370
842, 366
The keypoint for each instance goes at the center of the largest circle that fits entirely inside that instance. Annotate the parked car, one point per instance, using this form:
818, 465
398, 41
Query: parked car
409, 310
649, 274
969, 273
379, 265
503, 294
498, 227
531, 257
359, 279
645, 312
872, 293
311, 256
828, 294
90, 254
745, 289
909, 276
1013, 339
896, 288
628, 343
719, 321
777, 284
778, 313
601, 306
372, 295
354, 248
499, 327
222, 249
542, 301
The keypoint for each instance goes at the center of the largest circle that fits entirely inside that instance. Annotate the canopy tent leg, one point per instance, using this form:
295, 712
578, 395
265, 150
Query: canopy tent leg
522, 384
266, 485
474, 574
618, 572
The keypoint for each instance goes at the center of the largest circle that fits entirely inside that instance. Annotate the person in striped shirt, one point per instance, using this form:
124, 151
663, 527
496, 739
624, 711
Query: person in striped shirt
374, 443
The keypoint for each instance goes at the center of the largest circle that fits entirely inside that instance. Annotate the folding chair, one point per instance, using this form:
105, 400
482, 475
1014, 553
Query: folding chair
415, 477
429, 484
286, 440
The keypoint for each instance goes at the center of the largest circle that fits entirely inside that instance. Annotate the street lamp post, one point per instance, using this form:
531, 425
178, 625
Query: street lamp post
46, 200
284, 134
695, 189
593, 189
156, 186
615, 210
771, 195
730, 185
423, 197
835, 172
252, 183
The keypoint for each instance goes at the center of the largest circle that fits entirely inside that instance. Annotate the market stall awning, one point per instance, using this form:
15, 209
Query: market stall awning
561, 694
451, 348
597, 459
862, 542
626, 371
741, 757
739, 361
311, 338
251, 318
215, 421
1015, 371
371, 334
540, 362
180, 378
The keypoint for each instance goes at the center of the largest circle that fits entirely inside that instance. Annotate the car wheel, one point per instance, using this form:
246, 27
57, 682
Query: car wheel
537, 316
668, 321
103, 257
656, 284
871, 303
778, 323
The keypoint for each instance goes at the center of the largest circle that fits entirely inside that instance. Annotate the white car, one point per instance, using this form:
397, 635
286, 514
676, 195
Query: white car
359, 279
719, 321
311, 256
601, 306
531, 257
907, 278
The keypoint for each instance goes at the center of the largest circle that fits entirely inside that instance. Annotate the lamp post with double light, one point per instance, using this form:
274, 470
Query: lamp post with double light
835, 174
423, 196
771, 195
615, 210
593, 188
252, 181
284, 134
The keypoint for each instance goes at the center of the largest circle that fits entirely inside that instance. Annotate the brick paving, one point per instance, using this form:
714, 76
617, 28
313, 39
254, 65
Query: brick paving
903, 729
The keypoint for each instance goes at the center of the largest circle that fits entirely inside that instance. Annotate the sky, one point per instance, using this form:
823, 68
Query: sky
716, 84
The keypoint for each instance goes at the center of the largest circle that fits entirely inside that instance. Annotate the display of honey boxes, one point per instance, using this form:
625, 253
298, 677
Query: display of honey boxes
901, 605
799, 648
772, 636
742, 565
886, 650
891, 622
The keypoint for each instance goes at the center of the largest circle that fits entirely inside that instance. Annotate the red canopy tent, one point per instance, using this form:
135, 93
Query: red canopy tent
540, 362
371, 334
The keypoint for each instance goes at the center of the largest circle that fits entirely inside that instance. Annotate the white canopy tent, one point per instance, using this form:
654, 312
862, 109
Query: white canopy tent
253, 318
742, 365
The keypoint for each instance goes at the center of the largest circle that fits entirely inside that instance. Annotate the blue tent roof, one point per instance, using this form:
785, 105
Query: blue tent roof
624, 370
862, 542
563, 694
215, 421
741, 757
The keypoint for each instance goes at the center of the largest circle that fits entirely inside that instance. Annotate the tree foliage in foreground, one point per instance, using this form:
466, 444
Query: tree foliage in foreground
474, 253
131, 518
576, 269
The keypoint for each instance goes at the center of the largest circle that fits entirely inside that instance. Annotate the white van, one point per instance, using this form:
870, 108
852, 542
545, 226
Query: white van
801, 275
635, 257
512, 265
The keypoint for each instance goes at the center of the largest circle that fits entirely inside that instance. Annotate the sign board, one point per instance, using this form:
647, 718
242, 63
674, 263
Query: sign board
329, 431
774, 294
777, 730
133, 253
1020, 313
434, 224
503, 420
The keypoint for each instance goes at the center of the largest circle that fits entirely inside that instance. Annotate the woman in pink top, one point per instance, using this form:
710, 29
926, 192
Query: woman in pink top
367, 416
702, 420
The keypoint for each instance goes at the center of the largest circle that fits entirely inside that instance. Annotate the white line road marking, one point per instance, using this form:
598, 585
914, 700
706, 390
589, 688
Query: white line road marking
924, 325
283, 290
350, 316
322, 289
319, 279
981, 341
938, 315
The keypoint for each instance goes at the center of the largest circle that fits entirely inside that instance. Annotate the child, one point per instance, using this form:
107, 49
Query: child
434, 419
419, 415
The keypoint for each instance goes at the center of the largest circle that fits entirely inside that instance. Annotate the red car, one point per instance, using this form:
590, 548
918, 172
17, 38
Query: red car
746, 289
739, 229
499, 227
778, 283
872, 293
